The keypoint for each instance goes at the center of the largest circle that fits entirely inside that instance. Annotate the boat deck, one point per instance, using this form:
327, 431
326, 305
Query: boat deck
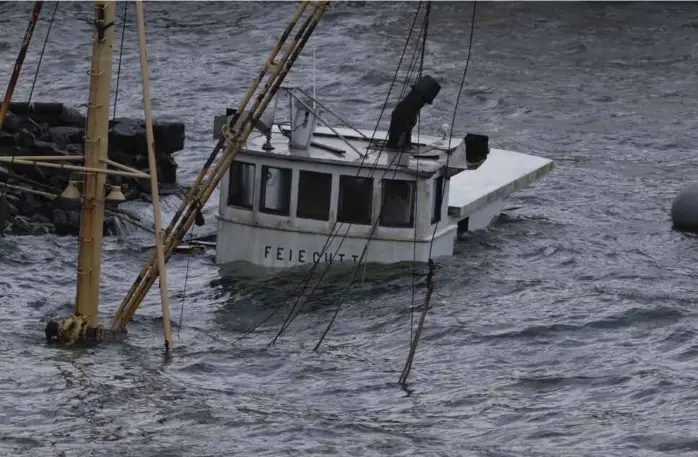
502, 174
426, 158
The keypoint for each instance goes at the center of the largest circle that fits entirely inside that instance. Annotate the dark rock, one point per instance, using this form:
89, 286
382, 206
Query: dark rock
21, 226
73, 117
59, 181
66, 222
76, 149
128, 136
42, 148
74, 218
133, 194
121, 157
141, 162
43, 132
12, 208
42, 129
167, 170
40, 112
109, 227
65, 135
6, 139
168, 136
29, 205
11, 122
143, 185
4, 212
13, 199
60, 217
25, 139
40, 218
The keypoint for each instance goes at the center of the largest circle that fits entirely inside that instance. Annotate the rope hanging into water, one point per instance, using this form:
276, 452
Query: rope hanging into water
430, 276
121, 53
397, 159
333, 234
43, 48
414, 202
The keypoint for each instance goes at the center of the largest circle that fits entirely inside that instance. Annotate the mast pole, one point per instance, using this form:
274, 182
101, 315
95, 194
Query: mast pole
20, 60
153, 176
96, 143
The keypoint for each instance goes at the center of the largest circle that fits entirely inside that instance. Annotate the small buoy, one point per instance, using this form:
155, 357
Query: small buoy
684, 210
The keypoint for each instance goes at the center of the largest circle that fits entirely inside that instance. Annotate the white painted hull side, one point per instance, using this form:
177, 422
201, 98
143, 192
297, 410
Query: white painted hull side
483, 217
275, 248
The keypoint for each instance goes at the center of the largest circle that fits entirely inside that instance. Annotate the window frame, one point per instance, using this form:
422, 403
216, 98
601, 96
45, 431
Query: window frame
299, 200
412, 197
286, 211
369, 211
236, 178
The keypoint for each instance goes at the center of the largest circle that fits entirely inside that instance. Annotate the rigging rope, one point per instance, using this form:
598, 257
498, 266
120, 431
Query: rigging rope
416, 208
121, 53
381, 208
430, 277
334, 234
43, 48
396, 160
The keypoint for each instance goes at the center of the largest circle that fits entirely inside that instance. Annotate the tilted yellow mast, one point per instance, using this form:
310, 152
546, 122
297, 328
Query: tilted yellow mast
239, 127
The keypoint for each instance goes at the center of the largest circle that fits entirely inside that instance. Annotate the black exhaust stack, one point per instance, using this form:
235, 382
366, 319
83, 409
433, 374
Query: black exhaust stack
405, 114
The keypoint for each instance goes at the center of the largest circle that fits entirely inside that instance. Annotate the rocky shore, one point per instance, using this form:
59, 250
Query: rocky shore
28, 194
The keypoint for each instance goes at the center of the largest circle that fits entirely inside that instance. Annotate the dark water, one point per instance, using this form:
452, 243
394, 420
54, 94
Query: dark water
566, 329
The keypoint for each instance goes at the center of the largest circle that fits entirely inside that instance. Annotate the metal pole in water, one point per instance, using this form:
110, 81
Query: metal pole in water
153, 176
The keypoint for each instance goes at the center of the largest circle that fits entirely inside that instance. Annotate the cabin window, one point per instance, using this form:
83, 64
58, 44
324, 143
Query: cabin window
241, 185
437, 198
314, 194
355, 200
275, 196
397, 209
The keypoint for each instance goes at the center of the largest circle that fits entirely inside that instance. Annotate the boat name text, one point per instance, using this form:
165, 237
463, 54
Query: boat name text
303, 256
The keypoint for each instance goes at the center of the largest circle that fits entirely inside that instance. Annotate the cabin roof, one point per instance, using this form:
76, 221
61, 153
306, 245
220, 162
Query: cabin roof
426, 157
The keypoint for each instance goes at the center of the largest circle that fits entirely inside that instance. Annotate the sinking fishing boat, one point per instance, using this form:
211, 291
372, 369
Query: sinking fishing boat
291, 193
306, 191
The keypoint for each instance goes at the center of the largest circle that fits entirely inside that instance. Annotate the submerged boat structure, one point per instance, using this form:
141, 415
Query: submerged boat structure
291, 193
306, 191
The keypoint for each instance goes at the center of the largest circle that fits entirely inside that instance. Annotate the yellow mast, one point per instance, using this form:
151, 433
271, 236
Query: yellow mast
153, 176
85, 323
96, 144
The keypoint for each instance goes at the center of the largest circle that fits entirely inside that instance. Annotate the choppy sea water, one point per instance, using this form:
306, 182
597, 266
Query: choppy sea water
568, 328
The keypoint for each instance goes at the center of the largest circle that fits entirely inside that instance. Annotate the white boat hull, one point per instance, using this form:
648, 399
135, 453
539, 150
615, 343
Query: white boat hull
277, 248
